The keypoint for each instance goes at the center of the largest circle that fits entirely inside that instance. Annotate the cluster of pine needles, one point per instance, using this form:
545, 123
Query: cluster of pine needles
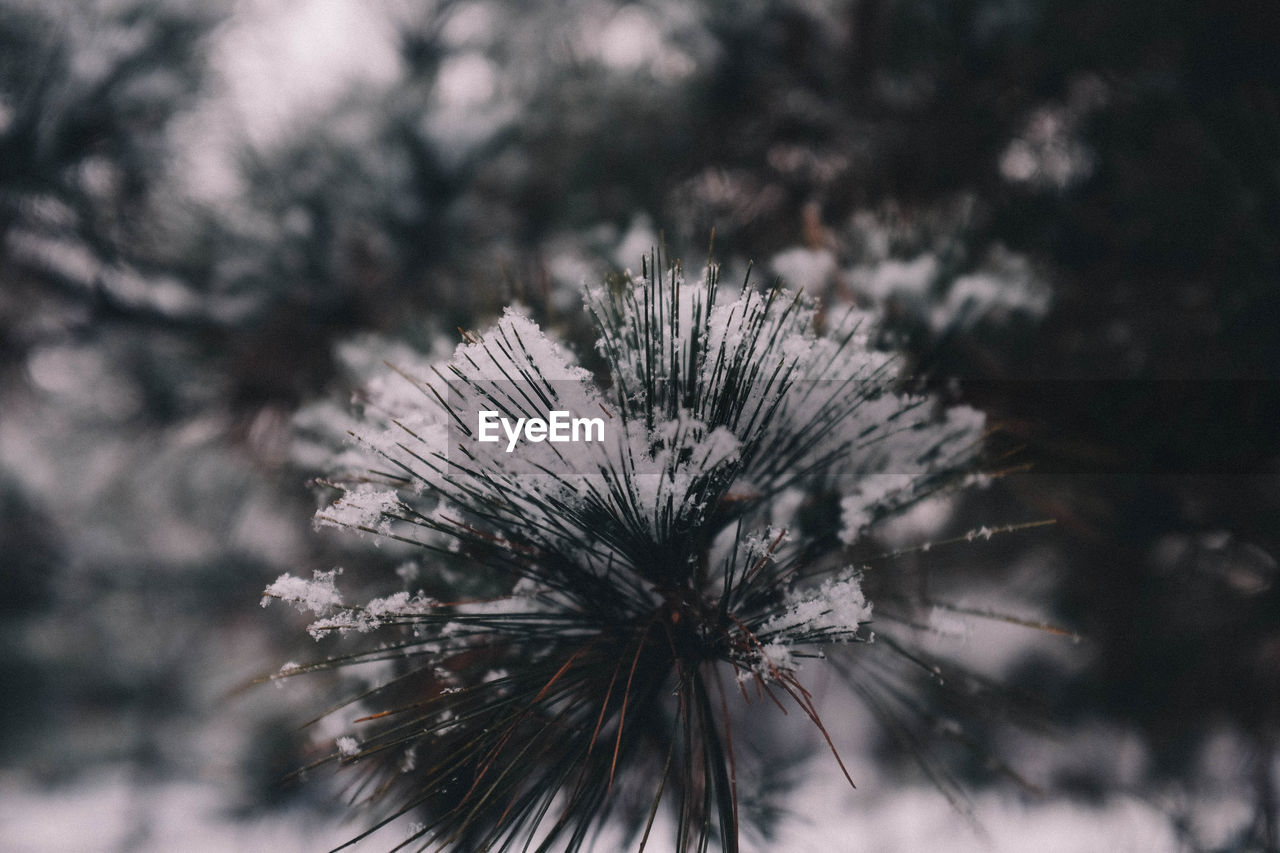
630, 605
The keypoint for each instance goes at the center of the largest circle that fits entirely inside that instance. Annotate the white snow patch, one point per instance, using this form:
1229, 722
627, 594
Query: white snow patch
319, 595
807, 270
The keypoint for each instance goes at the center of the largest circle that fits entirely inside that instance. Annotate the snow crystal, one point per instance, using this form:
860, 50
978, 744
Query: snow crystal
287, 669
361, 507
485, 360
373, 615
774, 658
319, 595
347, 746
837, 605
342, 621
400, 604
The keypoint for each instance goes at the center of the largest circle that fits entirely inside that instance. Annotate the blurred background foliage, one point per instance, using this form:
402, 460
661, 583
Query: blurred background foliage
1069, 212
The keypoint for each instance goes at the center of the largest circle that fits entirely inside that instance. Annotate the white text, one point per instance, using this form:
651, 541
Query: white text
558, 427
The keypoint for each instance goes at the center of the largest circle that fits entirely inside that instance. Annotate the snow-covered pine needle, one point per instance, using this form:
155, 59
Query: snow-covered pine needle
623, 581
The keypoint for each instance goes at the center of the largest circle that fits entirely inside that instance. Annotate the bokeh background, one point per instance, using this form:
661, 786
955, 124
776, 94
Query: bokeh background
213, 214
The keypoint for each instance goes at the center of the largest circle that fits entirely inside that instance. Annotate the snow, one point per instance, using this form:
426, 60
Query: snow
983, 532
319, 595
113, 811
361, 507
833, 610
485, 358
807, 270
916, 818
1049, 152
898, 278
636, 243
1003, 287
858, 509
400, 604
